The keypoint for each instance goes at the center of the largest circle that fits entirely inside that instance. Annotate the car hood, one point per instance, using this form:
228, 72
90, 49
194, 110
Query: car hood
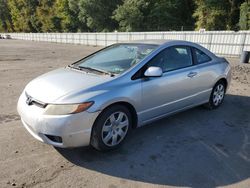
57, 84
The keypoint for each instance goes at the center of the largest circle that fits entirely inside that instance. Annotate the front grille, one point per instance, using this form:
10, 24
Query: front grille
32, 101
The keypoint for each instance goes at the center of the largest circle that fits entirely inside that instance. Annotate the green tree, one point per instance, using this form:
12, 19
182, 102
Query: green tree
131, 15
124, 15
170, 15
77, 23
63, 12
47, 20
234, 14
138, 15
211, 14
217, 15
244, 22
23, 15
97, 14
5, 17
68, 11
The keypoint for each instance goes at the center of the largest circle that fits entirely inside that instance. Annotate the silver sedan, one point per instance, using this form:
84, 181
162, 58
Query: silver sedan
99, 99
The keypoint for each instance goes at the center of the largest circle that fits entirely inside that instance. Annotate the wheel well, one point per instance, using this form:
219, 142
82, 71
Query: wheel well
224, 81
132, 110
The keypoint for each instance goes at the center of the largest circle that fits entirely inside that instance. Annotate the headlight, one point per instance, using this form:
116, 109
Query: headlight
64, 109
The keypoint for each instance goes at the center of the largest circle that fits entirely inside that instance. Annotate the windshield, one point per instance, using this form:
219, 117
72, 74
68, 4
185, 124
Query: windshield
117, 58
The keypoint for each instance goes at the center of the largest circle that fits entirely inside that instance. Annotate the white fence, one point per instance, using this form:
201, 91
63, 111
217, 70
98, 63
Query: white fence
227, 43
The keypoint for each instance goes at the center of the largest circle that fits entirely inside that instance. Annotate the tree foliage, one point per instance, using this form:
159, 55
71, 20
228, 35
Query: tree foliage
234, 14
23, 14
217, 15
5, 17
136, 15
131, 14
47, 21
122, 15
245, 16
98, 14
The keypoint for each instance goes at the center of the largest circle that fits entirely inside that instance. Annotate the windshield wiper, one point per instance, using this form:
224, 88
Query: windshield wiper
97, 70
92, 70
74, 67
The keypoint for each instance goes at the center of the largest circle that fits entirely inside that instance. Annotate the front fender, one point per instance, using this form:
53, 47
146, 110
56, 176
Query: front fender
130, 93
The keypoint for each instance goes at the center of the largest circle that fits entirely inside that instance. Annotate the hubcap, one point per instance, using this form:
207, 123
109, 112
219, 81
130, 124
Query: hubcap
218, 94
115, 128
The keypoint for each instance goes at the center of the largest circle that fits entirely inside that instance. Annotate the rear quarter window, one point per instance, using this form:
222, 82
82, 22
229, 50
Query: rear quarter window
201, 57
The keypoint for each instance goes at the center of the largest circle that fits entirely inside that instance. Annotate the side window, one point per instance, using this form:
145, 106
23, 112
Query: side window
173, 58
201, 57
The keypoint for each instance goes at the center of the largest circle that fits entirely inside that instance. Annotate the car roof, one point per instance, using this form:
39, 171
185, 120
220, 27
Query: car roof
153, 41
157, 42
163, 42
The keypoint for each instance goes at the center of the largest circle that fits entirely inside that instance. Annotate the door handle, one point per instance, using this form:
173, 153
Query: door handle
192, 74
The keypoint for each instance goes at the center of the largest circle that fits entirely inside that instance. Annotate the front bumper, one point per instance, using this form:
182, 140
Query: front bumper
74, 130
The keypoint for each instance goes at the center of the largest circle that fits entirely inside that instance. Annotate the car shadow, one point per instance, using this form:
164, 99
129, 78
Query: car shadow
197, 148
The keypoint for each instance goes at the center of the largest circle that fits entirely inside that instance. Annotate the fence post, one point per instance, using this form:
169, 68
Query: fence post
129, 36
105, 37
243, 41
87, 38
95, 39
210, 41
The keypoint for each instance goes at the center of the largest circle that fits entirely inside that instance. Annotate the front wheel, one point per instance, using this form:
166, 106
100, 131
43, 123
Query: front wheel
111, 128
217, 95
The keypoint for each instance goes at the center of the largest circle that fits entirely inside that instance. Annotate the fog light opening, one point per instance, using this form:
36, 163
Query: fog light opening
56, 139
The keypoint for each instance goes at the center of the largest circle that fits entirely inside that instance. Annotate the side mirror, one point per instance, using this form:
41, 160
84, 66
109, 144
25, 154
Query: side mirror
153, 72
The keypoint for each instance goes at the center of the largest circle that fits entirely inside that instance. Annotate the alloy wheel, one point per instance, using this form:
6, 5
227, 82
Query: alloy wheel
115, 129
218, 94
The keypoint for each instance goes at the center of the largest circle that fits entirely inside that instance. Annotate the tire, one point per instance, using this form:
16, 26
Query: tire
111, 128
217, 95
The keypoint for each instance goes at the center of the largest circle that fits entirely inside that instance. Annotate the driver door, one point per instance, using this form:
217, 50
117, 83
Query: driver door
174, 89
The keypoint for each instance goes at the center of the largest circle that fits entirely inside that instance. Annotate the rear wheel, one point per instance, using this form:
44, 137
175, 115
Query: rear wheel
217, 95
111, 128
